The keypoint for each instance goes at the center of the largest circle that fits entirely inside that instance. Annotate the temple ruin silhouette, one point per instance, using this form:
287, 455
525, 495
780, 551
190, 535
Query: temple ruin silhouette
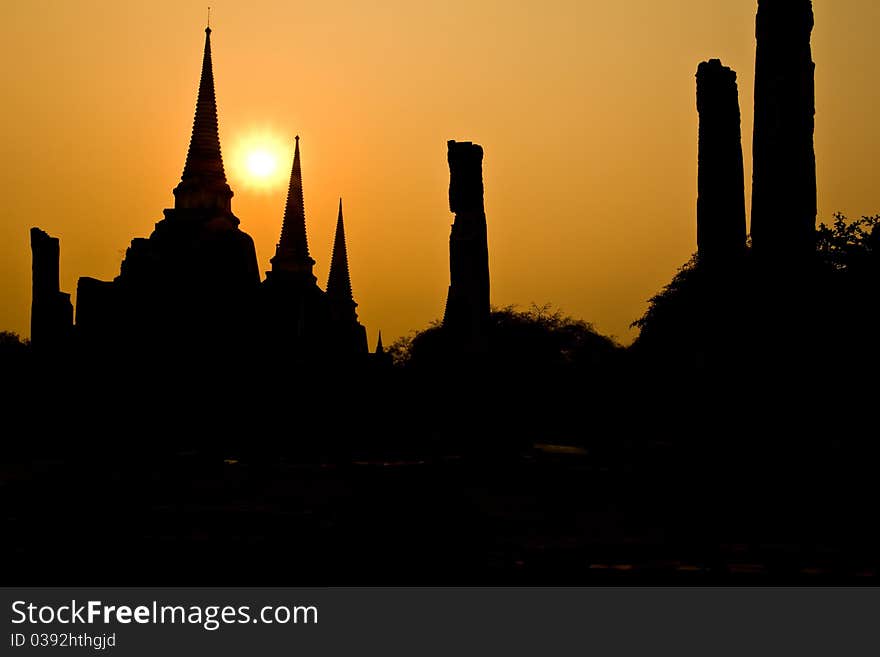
195, 281
691, 452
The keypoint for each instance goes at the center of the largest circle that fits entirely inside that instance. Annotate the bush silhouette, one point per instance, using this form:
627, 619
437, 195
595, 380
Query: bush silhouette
14, 351
539, 339
747, 317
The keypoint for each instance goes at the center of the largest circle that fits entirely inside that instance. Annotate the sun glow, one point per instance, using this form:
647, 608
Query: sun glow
261, 161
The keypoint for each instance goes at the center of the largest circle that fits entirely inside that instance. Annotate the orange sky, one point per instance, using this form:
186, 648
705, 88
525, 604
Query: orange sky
585, 109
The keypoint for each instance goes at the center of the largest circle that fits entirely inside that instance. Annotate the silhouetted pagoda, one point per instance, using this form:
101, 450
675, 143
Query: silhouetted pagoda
196, 272
305, 320
195, 283
349, 334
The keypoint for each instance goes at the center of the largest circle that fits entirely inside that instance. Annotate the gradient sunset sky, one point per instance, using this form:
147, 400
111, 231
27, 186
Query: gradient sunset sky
585, 110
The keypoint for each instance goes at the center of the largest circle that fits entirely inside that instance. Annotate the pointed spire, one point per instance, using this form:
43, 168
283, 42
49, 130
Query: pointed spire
380, 348
292, 252
203, 183
339, 281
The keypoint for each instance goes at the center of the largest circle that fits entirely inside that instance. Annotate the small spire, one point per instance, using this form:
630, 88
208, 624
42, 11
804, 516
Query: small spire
203, 183
380, 349
208, 28
292, 253
339, 280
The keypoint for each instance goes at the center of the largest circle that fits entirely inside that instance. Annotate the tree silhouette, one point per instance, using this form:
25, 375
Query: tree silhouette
741, 317
14, 350
539, 338
848, 245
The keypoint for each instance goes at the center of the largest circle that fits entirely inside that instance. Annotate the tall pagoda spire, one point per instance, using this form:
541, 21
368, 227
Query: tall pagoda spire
339, 280
380, 348
203, 183
292, 252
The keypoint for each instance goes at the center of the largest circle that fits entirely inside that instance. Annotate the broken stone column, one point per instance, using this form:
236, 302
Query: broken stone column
51, 310
467, 305
784, 168
721, 205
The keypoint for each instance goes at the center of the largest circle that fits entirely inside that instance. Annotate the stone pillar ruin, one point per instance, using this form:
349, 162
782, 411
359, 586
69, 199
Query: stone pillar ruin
51, 310
721, 205
784, 167
467, 304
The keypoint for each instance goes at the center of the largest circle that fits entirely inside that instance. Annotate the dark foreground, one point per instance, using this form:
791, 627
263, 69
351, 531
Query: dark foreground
201, 476
549, 514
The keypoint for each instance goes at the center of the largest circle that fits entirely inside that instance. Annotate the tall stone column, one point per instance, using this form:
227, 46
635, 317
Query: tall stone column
784, 168
467, 305
51, 310
721, 205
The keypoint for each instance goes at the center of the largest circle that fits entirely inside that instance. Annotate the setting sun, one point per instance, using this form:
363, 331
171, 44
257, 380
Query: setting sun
261, 161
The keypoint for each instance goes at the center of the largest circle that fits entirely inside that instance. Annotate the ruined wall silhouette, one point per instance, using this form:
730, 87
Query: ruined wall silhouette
467, 305
784, 168
721, 206
51, 310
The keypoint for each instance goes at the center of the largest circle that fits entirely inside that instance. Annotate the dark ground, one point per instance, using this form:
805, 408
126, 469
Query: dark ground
545, 515
393, 480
